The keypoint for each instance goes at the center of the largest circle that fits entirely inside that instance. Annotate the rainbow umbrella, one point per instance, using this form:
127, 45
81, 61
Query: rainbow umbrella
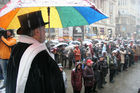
60, 13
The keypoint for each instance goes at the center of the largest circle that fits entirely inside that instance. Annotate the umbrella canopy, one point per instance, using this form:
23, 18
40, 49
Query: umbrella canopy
60, 44
60, 39
63, 13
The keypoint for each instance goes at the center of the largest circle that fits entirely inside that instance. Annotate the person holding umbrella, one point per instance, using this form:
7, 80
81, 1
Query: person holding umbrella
6, 42
31, 68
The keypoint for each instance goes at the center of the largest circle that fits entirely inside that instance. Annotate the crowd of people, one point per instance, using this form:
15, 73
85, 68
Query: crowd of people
32, 68
92, 63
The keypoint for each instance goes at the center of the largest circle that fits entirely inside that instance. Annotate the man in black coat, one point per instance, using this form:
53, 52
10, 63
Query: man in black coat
31, 68
101, 72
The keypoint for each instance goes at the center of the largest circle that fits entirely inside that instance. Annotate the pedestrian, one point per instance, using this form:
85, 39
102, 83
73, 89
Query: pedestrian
118, 57
88, 75
64, 57
91, 50
112, 66
134, 55
139, 90
131, 57
126, 58
83, 52
76, 78
64, 75
77, 54
95, 70
31, 68
122, 54
88, 53
101, 72
7, 41
105, 66
70, 58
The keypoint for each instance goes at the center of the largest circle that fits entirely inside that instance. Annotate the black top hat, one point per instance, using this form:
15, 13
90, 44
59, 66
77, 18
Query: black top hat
30, 22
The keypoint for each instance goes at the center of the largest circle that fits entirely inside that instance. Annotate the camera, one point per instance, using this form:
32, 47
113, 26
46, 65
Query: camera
3, 33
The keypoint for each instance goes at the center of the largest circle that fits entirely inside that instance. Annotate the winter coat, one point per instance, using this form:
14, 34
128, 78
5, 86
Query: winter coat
5, 45
122, 56
44, 74
77, 54
76, 79
105, 67
88, 75
70, 55
95, 69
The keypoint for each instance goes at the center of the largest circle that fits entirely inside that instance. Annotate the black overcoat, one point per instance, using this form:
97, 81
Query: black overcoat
44, 75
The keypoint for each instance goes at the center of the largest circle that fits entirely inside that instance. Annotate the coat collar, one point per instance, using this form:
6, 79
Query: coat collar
28, 39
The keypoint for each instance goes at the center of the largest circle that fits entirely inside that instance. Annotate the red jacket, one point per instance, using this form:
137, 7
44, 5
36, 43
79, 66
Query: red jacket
76, 79
77, 54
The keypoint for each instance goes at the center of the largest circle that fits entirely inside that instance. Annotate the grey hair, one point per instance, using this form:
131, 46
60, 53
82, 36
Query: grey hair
31, 33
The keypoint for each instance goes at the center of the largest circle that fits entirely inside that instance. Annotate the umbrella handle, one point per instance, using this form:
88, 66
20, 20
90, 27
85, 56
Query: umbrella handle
48, 11
49, 22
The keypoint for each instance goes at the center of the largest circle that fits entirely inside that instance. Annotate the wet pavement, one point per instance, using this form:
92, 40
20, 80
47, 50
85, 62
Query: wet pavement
125, 82
2, 90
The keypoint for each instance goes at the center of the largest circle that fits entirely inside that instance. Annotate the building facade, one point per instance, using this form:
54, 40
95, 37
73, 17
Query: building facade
137, 34
105, 29
102, 29
126, 18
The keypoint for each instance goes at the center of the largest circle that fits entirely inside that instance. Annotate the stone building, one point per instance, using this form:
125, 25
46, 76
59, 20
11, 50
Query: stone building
126, 18
105, 29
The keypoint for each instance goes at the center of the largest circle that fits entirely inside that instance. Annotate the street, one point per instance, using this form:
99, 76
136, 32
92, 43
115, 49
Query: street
125, 82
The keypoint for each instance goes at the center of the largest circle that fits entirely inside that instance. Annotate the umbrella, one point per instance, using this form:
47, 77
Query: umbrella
87, 43
60, 44
61, 39
60, 13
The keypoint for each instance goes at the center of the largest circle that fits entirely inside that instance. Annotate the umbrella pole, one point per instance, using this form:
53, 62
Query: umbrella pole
49, 23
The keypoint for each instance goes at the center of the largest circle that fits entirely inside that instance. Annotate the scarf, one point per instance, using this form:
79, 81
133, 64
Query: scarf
26, 60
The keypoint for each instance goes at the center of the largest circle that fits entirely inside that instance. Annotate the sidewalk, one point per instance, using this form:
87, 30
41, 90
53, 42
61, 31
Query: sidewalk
125, 82
2, 90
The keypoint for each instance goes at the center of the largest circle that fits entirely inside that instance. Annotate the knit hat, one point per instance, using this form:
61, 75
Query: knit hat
89, 61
